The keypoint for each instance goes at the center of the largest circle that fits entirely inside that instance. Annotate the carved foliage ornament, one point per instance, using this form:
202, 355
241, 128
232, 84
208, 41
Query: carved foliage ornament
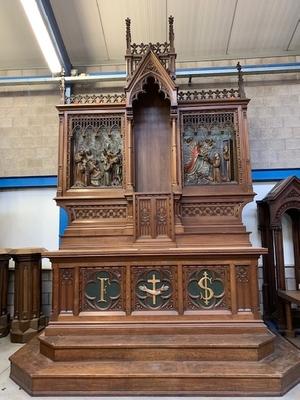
96, 151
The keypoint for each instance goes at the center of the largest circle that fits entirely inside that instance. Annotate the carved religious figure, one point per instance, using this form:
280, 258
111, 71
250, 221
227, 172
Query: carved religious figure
206, 148
98, 156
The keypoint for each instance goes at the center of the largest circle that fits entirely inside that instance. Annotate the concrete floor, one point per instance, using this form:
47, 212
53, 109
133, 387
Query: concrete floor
10, 391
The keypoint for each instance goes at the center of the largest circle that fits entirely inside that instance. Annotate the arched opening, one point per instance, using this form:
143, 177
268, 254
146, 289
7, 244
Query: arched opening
152, 140
288, 251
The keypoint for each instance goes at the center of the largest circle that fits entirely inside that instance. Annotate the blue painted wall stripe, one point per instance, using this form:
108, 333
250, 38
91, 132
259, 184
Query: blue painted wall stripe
263, 175
63, 221
19, 182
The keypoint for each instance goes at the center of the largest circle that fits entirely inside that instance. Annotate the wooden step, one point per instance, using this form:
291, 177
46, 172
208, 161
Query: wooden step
39, 375
244, 347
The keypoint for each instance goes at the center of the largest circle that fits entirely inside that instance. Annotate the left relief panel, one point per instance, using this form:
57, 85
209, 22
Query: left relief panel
95, 153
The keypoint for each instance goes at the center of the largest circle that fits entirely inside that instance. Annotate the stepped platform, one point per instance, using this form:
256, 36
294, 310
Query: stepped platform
159, 365
157, 347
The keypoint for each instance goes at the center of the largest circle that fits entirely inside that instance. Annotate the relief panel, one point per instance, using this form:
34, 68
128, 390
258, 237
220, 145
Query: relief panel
209, 148
154, 288
206, 288
102, 289
95, 157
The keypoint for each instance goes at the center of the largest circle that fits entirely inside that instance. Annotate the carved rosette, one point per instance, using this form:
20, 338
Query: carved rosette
102, 289
206, 288
154, 288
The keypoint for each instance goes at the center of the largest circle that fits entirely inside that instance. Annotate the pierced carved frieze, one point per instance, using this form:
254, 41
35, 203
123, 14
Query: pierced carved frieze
154, 288
206, 288
157, 48
102, 289
209, 148
109, 98
96, 151
185, 96
98, 212
211, 209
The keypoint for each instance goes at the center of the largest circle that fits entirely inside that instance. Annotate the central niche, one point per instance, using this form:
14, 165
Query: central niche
151, 114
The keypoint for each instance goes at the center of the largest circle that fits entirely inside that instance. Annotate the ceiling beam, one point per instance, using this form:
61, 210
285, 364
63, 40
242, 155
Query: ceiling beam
180, 73
55, 34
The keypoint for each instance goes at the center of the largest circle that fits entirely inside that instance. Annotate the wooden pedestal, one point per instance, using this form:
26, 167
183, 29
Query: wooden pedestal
4, 314
28, 319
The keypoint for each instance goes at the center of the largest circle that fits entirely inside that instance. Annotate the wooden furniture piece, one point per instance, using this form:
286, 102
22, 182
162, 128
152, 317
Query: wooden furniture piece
290, 297
283, 198
28, 319
155, 283
4, 279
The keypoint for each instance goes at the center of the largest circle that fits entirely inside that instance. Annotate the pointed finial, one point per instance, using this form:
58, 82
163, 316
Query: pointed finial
128, 34
171, 33
241, 81
62, 87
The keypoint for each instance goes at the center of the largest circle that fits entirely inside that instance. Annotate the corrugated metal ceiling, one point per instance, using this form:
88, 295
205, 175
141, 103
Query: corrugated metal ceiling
94, 30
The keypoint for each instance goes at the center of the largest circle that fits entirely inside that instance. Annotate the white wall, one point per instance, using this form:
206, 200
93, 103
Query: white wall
29, 218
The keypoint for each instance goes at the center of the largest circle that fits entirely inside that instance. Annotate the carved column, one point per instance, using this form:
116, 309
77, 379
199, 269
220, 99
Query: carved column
295, 215
4, 314
28, 318
279, 257
174, 167
130, 166
280, 272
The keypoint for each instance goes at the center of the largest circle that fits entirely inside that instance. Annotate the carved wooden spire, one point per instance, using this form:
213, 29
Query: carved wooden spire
241, 81
171, 33
128, 36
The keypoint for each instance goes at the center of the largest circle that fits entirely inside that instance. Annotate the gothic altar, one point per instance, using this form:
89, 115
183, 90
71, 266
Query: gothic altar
155, 284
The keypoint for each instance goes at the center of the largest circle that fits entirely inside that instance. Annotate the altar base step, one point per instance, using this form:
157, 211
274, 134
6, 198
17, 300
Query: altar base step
157, 347
39, 375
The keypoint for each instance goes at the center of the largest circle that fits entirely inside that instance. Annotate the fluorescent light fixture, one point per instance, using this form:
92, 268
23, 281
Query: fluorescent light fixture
39, 28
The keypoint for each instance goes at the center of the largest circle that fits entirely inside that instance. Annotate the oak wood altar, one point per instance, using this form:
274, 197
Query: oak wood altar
155, 284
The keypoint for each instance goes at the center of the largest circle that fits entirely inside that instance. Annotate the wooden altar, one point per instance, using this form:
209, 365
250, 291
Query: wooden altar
155, 284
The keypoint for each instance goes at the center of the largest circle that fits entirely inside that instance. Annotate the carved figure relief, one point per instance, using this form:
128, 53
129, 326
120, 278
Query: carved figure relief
97, 151
208, 148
